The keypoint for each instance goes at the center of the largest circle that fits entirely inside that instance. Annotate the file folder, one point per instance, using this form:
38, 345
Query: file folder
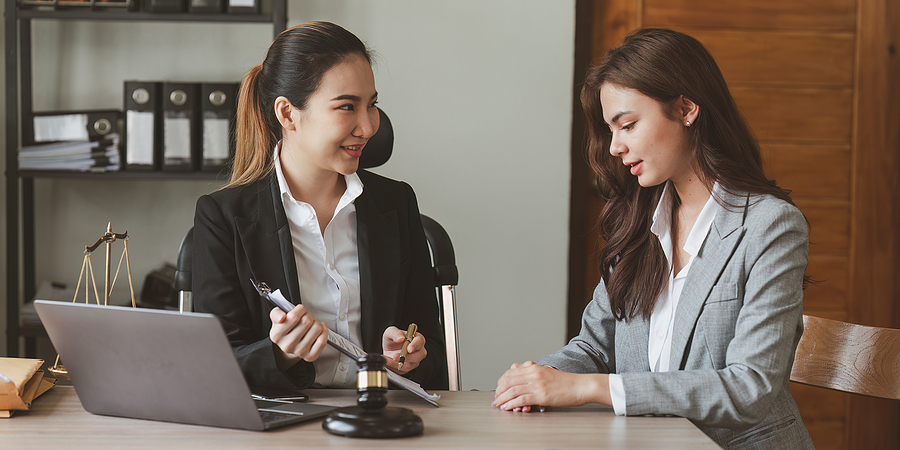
143, 123
217, 109
89, 125
180, 136
165, 5
205, 6
243, 6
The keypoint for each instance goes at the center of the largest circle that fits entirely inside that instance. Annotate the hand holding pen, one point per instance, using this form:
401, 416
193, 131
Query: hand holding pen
403, 349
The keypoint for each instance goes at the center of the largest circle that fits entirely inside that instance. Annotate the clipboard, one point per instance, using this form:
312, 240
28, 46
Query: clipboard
342, 344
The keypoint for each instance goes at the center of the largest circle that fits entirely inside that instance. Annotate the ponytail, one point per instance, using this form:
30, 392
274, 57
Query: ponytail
254, 141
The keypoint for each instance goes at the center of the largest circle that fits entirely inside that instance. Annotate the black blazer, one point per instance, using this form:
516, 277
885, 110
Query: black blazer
242, 232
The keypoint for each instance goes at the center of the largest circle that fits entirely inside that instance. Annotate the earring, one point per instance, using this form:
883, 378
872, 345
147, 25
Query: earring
688, 123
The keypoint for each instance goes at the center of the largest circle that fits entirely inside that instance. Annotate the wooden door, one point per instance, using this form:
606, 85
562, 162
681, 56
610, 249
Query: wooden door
819, 82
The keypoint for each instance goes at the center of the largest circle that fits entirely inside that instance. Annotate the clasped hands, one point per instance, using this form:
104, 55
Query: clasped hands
299, 336
529, 386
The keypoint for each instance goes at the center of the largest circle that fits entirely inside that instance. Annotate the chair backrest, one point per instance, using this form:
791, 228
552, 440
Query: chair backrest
848, 357
377, 151
446, 277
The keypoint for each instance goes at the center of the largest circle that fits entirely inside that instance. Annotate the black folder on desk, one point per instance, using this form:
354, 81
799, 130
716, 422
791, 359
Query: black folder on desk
217, 116
143, 123
159, 365
180, 128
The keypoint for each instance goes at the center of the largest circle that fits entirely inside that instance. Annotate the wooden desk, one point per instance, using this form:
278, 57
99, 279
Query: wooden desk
464, 420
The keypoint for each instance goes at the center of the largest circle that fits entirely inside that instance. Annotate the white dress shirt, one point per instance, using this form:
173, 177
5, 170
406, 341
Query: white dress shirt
662, 319
328, 271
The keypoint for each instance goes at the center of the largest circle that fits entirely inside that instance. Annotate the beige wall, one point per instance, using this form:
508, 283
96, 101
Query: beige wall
479, 94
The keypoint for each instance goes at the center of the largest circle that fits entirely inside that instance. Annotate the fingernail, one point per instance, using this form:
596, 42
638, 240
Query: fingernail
493, 404
543, 409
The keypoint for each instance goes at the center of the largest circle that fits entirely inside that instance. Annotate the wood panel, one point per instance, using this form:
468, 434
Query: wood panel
752, 14
797, 114
829, 290
823, 414
829, 221
874, 301
781, 57
799, 167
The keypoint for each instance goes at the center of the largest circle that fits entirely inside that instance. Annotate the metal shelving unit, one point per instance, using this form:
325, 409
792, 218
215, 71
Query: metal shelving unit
20, 235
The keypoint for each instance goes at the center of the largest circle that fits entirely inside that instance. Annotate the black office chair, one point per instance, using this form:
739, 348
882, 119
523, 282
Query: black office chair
446, 276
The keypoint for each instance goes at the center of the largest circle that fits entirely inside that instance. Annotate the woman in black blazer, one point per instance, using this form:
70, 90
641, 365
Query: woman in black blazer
359, 259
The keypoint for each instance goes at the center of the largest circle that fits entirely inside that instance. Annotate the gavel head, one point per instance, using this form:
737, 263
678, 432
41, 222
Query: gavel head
371, 382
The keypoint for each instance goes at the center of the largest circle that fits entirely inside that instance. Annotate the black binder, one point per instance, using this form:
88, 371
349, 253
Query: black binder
180, 126
206, 6
87, 125
143, 124
243, 6
217, 116
165, 5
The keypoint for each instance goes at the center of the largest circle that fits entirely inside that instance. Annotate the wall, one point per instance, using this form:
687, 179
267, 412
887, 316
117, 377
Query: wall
479, 94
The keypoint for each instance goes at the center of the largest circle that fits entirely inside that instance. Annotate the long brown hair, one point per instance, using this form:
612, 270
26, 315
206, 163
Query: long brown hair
293, 68
663, 65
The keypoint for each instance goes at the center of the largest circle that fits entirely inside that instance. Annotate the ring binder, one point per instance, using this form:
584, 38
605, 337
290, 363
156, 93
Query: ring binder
217, 114
142, 125
180, 149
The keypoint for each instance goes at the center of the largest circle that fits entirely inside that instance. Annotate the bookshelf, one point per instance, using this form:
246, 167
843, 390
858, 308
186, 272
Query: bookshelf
20, 204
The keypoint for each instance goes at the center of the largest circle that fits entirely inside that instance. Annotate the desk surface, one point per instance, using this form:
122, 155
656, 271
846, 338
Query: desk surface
464, 420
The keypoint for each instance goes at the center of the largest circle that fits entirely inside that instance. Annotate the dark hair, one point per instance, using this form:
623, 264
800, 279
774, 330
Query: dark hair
293, 68
663, 65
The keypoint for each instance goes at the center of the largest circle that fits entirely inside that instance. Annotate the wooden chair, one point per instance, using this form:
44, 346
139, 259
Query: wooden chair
847, 357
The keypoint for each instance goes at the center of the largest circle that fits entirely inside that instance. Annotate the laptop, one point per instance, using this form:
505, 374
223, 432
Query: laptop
160, 365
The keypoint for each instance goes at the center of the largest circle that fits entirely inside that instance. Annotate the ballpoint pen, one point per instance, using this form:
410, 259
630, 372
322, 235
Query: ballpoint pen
410, 334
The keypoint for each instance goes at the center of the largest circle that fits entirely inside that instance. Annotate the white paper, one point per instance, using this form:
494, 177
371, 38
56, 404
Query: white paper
278, 298
139, 144
215, 138
66, 127
177, 138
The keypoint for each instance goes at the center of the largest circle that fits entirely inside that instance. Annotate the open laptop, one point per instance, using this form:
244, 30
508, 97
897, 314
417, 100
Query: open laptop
159, 365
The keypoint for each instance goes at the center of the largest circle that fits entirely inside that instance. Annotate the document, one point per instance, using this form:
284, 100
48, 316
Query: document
278, 298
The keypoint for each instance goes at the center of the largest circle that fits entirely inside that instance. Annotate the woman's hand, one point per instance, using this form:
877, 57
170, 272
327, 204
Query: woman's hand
392, 342
530, 384
297, 335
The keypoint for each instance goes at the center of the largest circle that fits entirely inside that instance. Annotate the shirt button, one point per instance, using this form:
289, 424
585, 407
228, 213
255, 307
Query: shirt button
342, 317
660, 335
343, 367
331, 266
312, 216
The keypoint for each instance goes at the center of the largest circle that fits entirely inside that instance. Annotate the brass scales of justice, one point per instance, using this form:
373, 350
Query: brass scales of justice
108, 238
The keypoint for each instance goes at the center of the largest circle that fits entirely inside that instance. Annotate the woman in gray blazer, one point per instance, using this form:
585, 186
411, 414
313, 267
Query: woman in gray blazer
699, 309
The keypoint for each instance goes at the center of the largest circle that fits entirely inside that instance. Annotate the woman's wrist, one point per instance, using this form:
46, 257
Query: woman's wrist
595, 389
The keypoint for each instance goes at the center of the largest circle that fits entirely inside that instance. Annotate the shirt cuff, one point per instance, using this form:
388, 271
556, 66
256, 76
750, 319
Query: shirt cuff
617, 394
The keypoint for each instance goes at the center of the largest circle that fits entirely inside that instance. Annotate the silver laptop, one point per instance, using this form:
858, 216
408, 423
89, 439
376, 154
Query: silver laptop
159, 365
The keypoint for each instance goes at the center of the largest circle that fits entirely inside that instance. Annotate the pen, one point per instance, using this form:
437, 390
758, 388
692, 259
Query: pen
410, 333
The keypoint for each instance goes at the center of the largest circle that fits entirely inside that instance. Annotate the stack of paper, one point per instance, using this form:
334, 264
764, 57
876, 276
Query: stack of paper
21, 381
81, 156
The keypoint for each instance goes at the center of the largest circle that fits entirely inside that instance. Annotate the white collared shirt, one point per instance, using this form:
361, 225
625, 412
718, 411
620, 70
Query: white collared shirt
662, 319
328, 271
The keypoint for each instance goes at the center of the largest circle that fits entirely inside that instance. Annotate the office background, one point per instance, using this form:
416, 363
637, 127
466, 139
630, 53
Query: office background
479, 94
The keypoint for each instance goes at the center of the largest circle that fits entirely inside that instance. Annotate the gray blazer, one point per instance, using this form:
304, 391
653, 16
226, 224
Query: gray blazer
736, 329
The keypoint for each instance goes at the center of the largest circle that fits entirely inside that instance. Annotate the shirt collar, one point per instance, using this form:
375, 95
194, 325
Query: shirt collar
662, 221
354, 184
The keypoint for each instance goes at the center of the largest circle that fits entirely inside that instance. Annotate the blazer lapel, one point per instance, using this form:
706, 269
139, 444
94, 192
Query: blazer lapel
724, 236
379, 259
266, 235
